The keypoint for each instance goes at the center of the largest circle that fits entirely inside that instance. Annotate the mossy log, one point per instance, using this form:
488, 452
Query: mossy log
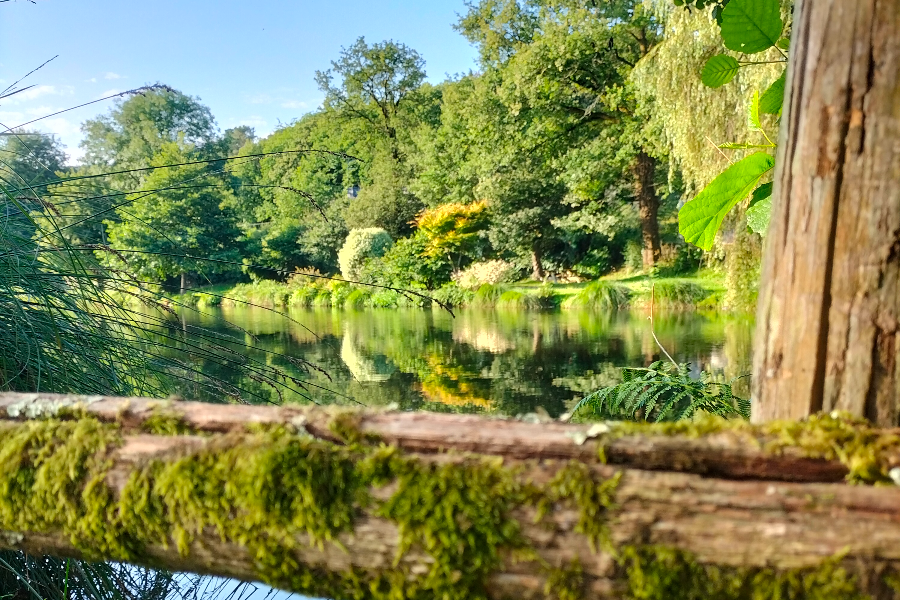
345, 504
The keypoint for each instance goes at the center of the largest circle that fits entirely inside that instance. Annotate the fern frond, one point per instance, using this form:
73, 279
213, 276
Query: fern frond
663, 392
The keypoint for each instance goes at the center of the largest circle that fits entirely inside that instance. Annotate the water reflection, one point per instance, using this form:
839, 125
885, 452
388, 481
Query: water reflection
507, 362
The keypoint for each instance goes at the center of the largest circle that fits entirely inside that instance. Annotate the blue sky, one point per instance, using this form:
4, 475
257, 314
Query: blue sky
251, 62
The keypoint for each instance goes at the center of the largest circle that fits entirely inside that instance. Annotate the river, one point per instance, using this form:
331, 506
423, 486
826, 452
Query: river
501, 362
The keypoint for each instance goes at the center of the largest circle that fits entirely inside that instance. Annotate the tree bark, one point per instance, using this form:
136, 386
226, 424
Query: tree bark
537, 267
725, 498
187, 282
648, 208
828, 335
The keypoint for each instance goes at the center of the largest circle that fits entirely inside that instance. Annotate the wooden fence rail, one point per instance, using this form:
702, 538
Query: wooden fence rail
347, 504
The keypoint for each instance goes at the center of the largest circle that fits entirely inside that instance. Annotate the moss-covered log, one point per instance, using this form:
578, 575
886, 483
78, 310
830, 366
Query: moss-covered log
399, 505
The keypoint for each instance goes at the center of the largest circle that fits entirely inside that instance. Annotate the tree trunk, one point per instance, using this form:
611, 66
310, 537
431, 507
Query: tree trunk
537, 268
648, 206
828, 335
313, 500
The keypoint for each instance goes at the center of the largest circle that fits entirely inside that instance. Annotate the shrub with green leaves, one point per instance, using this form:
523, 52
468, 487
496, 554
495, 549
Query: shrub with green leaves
360, 245
663, 392
748, 27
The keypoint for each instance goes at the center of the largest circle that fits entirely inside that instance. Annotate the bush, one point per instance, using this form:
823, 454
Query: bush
488, 295
676, 294
517, 299
600, 295
407, 264
487, 272
596, 262
360, 245
357, 298
453, 295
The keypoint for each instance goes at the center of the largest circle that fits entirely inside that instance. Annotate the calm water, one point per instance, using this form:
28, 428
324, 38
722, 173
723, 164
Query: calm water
508, 362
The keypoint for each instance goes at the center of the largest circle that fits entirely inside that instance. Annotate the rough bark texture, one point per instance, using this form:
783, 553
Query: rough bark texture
725, 496
828, 335
648, 208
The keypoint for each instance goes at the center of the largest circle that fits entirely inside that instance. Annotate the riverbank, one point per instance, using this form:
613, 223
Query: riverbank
703, 290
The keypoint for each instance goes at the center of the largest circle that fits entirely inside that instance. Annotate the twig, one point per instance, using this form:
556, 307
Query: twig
652, 332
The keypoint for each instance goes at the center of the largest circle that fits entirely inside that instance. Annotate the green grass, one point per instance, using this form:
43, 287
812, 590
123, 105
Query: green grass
601, 295
613, 292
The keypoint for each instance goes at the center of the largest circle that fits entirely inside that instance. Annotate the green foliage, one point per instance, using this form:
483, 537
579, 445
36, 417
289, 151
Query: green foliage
747, 26
772, 100
488, 295
660, 573
699, 220
719, 70
663, 392
760, 209
360, 245
182, 224
676, 294
137, 129
600, 295
751, 26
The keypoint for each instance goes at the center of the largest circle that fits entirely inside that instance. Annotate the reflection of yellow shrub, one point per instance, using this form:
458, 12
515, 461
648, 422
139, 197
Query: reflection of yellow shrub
435, 392
447, 384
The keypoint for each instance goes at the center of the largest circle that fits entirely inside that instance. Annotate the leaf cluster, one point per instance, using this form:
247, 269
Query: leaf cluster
663, 392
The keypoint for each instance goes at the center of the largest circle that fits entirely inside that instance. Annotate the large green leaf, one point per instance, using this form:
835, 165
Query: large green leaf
751, 26
719, 70
773, 98
699, 220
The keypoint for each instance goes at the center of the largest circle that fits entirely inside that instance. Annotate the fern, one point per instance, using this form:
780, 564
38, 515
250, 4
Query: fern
663, 392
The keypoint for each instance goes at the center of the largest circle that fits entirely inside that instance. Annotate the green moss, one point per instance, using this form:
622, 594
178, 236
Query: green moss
866, 451
166, 421
345, 424
271, 488
592, 496
459, 513
660, 573
863, 449
566, 583
51, 477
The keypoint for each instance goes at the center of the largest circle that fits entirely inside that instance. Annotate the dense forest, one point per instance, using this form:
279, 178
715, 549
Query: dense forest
564, 157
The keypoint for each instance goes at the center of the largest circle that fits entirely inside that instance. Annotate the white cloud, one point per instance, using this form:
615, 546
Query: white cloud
111, 75
39, 91
10, 118
260, 99
294, 104
91, 80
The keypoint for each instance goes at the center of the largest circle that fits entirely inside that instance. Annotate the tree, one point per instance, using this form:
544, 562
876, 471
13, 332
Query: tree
136, 130
179, 222
281, 199
591, 49
828, 336
381, 90
27, 160
376, 82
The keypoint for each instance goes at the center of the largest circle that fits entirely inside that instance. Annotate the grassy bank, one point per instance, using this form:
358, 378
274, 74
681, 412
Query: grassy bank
703, 290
